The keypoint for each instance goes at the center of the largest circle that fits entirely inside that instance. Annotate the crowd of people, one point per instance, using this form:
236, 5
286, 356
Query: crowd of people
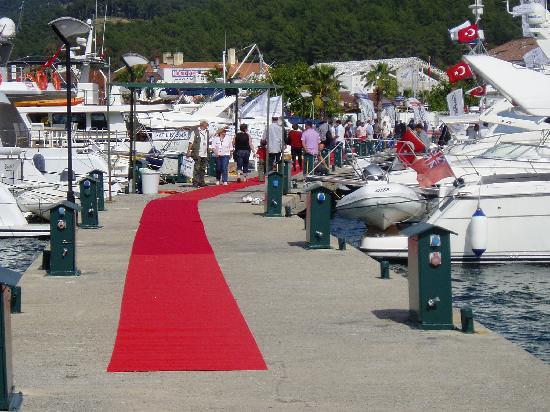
306, 144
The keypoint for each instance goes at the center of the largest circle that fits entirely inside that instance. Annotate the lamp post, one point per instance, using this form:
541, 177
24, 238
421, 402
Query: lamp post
66, 27
304, 95
130, 60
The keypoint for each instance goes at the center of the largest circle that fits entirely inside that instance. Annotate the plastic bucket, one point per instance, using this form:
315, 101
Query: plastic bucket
149, 181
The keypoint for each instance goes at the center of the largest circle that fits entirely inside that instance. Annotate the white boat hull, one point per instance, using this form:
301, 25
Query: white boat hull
381, 205
518, 222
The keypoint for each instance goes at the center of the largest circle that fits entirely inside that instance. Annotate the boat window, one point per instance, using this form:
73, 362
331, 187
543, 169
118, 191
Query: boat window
38, 118
98, 121
513, 151
60, 119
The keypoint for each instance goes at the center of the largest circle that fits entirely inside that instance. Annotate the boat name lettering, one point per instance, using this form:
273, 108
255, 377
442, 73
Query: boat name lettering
382, 189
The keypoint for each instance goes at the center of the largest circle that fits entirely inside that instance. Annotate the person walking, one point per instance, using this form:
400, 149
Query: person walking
260, 155
310, 143
361, 132
243, 146
222, 147
275, 143
295, 138
198, 151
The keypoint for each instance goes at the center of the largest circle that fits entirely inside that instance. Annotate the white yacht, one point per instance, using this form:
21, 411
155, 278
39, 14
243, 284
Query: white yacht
499, 207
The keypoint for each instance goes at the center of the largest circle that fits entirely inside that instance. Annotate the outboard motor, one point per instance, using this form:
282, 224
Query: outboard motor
154, 159
64, 177
373, 172
39, 162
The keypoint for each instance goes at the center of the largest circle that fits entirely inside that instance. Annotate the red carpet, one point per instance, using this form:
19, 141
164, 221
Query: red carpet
177, 311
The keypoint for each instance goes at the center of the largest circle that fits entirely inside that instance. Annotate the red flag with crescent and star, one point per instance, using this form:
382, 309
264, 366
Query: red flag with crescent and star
407, 148
459, 71
431, 168
478, 91
468, 34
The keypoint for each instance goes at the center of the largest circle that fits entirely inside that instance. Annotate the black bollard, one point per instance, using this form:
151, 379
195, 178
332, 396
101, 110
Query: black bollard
384, 269
467, 320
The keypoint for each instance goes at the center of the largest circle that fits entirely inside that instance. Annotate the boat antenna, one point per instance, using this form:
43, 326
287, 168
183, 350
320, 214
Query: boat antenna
103, 35
477, 9
20, 16
95, 29
224, 57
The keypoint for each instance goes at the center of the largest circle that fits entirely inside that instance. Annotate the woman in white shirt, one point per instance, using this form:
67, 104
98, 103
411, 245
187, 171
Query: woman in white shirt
223, 148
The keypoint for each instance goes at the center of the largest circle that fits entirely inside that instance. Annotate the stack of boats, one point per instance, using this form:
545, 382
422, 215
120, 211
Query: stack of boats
497, 201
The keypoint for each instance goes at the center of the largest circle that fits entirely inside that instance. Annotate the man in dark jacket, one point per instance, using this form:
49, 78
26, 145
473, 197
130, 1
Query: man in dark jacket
198, 151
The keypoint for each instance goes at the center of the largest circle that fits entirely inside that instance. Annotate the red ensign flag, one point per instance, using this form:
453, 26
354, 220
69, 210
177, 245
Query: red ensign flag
431, 168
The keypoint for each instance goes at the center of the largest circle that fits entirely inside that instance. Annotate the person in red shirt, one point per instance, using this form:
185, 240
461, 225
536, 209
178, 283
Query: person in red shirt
260, 154
295, 138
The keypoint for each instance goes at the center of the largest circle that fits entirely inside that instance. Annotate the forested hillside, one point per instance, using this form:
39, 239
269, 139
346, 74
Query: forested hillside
285, 30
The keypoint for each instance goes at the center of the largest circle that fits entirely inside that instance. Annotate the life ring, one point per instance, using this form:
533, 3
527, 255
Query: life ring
56, 81
1, 79
41, 80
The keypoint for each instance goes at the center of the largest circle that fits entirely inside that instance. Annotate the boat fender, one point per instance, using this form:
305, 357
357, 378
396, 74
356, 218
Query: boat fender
41, 80
56, 81
479, 232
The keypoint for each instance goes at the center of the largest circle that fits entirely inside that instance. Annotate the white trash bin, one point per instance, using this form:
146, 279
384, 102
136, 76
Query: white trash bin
149, 181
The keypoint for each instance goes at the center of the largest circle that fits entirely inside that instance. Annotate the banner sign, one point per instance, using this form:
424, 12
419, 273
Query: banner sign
455, 102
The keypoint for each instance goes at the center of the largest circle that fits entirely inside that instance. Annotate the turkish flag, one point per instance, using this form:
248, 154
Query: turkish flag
478, 91
431, 168
468, 34
407, 148
459, 71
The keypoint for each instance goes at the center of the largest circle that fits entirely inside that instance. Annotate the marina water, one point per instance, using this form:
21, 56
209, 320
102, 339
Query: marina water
510, 299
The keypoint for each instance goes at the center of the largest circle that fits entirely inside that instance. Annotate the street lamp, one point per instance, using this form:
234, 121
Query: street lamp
305, 95
130, 60
66, 27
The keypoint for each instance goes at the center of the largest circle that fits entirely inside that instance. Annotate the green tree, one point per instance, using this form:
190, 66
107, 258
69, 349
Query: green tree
325, 86
123, 75
437, 97
383, 79
214, 74
292, 80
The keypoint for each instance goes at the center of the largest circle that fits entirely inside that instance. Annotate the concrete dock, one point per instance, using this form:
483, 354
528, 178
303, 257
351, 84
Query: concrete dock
334, 335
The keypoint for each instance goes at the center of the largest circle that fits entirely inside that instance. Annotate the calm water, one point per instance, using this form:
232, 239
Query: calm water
511, 299
18, 254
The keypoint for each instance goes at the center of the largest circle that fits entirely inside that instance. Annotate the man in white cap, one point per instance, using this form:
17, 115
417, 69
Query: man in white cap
198, 151
274, 142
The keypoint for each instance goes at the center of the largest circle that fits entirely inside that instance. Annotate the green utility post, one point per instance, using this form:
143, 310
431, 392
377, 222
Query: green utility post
9, 399
286, 177
139, 164
274, 194
338, 159
88, 201
180, 176
357, 148
309, 163
211, 167
430, 295
318, 211
98, 175
363, 148
370, 147
60, 260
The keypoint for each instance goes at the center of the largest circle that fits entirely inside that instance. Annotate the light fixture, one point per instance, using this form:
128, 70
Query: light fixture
130, 60
64, 28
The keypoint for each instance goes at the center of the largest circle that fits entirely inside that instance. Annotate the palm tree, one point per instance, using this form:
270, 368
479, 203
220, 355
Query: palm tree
324, 87
383, 80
